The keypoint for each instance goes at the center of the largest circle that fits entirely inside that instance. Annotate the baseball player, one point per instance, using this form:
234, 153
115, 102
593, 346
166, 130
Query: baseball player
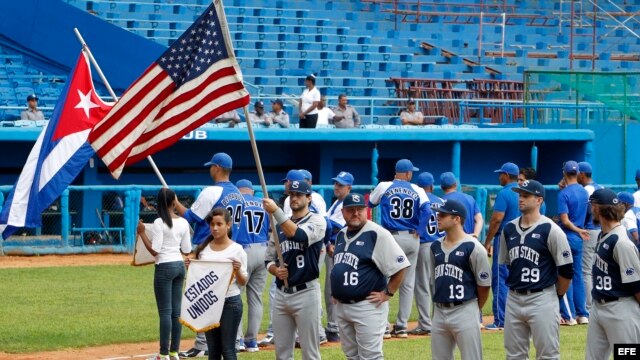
505, 209
428, 233
341, 187
615, 314
400, 203
473, 224
529, 173
254, 241
540, 271
629, 220
318, 205
296, 306
572, 210
588, 246
636, 195
222, 194
460, 276
365, 256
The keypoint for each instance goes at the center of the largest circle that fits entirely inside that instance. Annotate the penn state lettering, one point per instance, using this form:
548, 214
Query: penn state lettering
454, 277
300, 256
607, 281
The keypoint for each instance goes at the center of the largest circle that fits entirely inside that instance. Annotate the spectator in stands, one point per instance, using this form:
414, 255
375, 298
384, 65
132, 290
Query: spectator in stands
230, 117
325, 115
32, 112
277, 115
308, 107
258, 116
410, 116
346, 115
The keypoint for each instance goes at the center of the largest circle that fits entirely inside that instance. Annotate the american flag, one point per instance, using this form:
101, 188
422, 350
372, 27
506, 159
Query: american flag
194, 81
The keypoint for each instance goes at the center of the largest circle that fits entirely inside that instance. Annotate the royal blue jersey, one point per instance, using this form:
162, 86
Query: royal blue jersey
573, 200
255, 222
470, 204
428, 229
400, 203
362, 262
615, 265
507, 203
533, 254
223, 194
458, 272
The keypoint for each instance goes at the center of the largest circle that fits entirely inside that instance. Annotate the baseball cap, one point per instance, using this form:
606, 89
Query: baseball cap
405, 165
278, 101
354, 200
221, 159
604, 197
447, 179
585, 167
32, 97
452, 207
300, 186
307, 175
626, 197
244, 183
294, 175
425, 179
258, 104
531, 187
509, 168
343, 178
571, 167
638, 174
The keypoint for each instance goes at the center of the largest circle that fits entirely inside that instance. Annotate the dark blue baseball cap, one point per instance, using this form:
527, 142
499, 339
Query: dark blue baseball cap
452, 207
354, 200
221, 159
626, 197
447, 179
509, 168
532, 187
244, 183
604, 197
294, 175
307, 174
585, 167
405, 165
300, 186
425, 179
571, 167
343, 178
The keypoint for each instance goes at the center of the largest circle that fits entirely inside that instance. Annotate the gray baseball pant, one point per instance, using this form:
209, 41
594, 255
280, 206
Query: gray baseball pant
257, 280
297, 311
201, 342
535, 315
321, 331
616, 322
409, 244
328, 301
455, 326
588, 252
362, 326
423, 299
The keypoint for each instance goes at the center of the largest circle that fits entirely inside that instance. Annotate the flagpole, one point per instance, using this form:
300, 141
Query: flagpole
263, 184
85, 47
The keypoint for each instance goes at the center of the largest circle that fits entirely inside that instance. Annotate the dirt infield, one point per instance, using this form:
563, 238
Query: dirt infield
64, 260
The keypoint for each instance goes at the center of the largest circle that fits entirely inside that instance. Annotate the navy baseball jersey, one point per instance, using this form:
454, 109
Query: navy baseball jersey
615, 264
223, 194
363, 262
471, 206
428, 229
300, 255
456, 273
400, 202
573, 201
534, 254
255, 221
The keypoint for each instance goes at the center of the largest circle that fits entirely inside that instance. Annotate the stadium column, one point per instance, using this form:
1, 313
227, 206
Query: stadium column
534, 156
456, 159
91, 200
590, 157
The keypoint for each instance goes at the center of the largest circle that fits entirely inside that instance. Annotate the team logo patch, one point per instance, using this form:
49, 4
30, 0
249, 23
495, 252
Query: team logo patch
606, 246
513, 238
629, 271
525, 183
535, 236
355, 198
566, 254
359, 243
484, 275
400, 259
295, 184
615, 201
459, 253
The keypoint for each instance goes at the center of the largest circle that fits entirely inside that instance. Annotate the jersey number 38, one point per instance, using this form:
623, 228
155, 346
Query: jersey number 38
401, 208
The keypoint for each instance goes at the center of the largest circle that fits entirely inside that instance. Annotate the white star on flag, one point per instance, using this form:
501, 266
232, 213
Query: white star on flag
85, 102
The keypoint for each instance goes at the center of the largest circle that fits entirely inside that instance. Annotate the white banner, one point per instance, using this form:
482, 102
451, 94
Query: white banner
141, 255
204, 294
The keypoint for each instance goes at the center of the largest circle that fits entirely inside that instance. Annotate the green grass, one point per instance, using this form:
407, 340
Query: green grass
72, 307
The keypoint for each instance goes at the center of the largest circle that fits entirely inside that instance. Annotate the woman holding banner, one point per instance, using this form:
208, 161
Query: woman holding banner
170, 235
221, 340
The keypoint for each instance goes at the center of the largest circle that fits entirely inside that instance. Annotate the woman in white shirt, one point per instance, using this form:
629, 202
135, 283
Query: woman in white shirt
170, 239
221, 341
308, 108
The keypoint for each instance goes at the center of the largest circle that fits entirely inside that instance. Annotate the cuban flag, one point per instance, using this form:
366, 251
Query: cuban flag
60, 152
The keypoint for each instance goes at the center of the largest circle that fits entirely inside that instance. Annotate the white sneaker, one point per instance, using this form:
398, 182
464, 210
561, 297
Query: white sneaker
582, 320
571, 322
240, 345
267, 340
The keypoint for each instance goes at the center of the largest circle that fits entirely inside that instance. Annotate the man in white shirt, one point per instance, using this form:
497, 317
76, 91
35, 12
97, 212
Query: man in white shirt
629, 221
410, 116
258, 116
325, 114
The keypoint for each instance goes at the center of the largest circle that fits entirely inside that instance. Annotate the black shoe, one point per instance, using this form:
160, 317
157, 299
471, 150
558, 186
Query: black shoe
419, 331
333, 337
399, 332
193, 352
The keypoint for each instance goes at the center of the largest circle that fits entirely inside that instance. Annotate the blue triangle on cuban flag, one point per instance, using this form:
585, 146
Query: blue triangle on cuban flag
59, 154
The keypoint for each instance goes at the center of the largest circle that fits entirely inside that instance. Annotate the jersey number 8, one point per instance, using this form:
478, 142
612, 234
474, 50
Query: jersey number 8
401, 208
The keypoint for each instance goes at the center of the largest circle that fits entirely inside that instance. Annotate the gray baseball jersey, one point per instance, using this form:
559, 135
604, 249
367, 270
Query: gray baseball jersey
533, 255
